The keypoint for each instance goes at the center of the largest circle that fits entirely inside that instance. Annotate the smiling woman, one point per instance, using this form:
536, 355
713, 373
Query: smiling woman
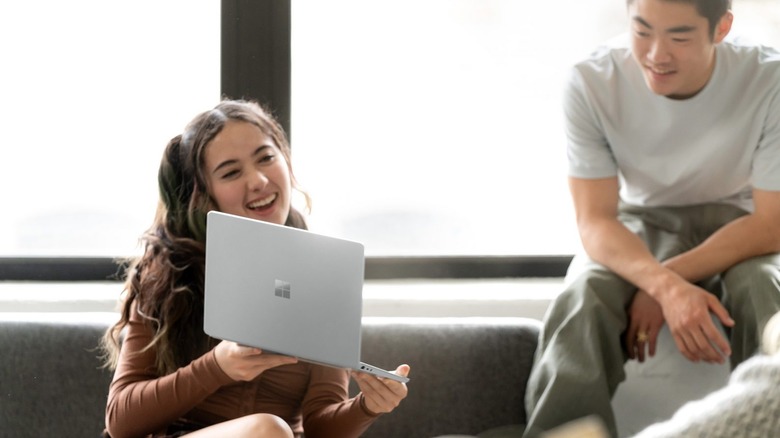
248, 173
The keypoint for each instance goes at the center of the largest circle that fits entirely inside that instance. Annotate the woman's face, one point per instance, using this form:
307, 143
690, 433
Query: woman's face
247, 175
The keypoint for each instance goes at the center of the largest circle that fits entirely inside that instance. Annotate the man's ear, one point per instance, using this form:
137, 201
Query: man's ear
724, 27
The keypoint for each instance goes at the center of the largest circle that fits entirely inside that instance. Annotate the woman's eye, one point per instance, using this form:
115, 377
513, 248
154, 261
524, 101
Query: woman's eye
266, 158
230, 174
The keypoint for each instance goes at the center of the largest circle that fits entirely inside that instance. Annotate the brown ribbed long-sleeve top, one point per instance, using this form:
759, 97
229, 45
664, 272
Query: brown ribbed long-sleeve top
309, 397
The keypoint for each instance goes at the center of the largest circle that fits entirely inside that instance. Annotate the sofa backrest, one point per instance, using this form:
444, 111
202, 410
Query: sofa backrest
467, 374
51, 383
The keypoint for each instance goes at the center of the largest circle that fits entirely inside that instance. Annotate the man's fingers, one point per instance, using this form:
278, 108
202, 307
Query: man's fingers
631, 343
652, 339
718, 342
642, 338
710, 347
683, 346
717, 308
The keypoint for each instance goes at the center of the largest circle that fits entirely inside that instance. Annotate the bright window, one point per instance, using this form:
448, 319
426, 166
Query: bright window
420, 127
92, 91
434, 127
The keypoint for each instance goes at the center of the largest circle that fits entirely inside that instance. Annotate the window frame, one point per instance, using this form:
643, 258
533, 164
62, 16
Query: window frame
101, 269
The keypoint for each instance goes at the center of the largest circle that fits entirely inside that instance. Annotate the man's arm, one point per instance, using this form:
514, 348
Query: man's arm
686, 307
608, 241
749, 236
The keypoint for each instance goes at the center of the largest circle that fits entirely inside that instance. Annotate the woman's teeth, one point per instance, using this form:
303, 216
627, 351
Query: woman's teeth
263, 202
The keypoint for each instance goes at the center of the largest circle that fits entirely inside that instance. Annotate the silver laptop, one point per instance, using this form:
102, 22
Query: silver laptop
286, 291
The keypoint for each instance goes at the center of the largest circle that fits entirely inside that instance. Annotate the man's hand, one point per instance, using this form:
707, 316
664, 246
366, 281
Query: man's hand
645, 319
687, 309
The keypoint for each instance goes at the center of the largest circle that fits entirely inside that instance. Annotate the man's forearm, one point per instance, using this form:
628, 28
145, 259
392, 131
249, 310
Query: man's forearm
613, 245
738, 240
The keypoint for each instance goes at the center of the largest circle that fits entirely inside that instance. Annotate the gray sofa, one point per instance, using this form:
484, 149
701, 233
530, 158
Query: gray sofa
468, 374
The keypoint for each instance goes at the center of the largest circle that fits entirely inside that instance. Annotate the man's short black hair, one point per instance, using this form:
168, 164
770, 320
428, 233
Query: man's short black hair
712, 10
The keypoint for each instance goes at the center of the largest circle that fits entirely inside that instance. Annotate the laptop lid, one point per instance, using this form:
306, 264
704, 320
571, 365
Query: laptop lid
285, 290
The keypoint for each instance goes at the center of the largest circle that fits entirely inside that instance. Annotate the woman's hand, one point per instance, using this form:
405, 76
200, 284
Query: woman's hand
246, 363
382, 395
645, 319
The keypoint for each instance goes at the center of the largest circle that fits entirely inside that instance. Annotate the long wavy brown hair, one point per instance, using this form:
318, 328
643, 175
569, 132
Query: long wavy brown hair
165, 284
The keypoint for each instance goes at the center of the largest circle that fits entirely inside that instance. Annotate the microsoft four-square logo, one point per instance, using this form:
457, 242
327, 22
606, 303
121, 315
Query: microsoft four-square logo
282, 289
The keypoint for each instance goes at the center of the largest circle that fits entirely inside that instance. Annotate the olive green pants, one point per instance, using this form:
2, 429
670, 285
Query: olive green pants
580, 358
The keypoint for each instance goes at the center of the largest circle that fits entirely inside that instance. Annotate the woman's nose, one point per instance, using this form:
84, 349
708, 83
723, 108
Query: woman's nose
257, 180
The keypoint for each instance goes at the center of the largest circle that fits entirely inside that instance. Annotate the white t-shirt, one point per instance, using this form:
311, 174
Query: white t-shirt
713, 147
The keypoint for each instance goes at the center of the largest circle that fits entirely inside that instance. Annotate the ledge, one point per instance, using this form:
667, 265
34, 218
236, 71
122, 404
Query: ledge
527, 298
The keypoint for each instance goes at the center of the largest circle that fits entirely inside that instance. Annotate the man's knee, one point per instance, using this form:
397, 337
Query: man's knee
590, 303
762, 269
597, 288
753, 284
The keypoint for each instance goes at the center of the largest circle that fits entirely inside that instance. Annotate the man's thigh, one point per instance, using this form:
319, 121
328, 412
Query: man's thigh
751, 290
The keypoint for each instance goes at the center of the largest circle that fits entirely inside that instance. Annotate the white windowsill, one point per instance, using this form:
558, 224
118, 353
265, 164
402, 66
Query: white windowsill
526, 298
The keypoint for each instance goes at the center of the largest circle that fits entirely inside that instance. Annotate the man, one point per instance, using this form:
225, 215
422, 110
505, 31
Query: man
674, 171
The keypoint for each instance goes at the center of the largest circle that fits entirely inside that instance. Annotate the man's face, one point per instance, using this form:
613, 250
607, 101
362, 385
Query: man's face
673, 45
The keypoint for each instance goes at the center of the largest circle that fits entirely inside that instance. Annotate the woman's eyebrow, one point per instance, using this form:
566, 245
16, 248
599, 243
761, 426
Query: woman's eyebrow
229, 162
223, 164
260, 149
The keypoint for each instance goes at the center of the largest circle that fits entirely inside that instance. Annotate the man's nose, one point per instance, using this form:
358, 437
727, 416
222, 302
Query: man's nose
659, 52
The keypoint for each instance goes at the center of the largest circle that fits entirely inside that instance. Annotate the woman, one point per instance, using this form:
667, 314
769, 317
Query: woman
171, 379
